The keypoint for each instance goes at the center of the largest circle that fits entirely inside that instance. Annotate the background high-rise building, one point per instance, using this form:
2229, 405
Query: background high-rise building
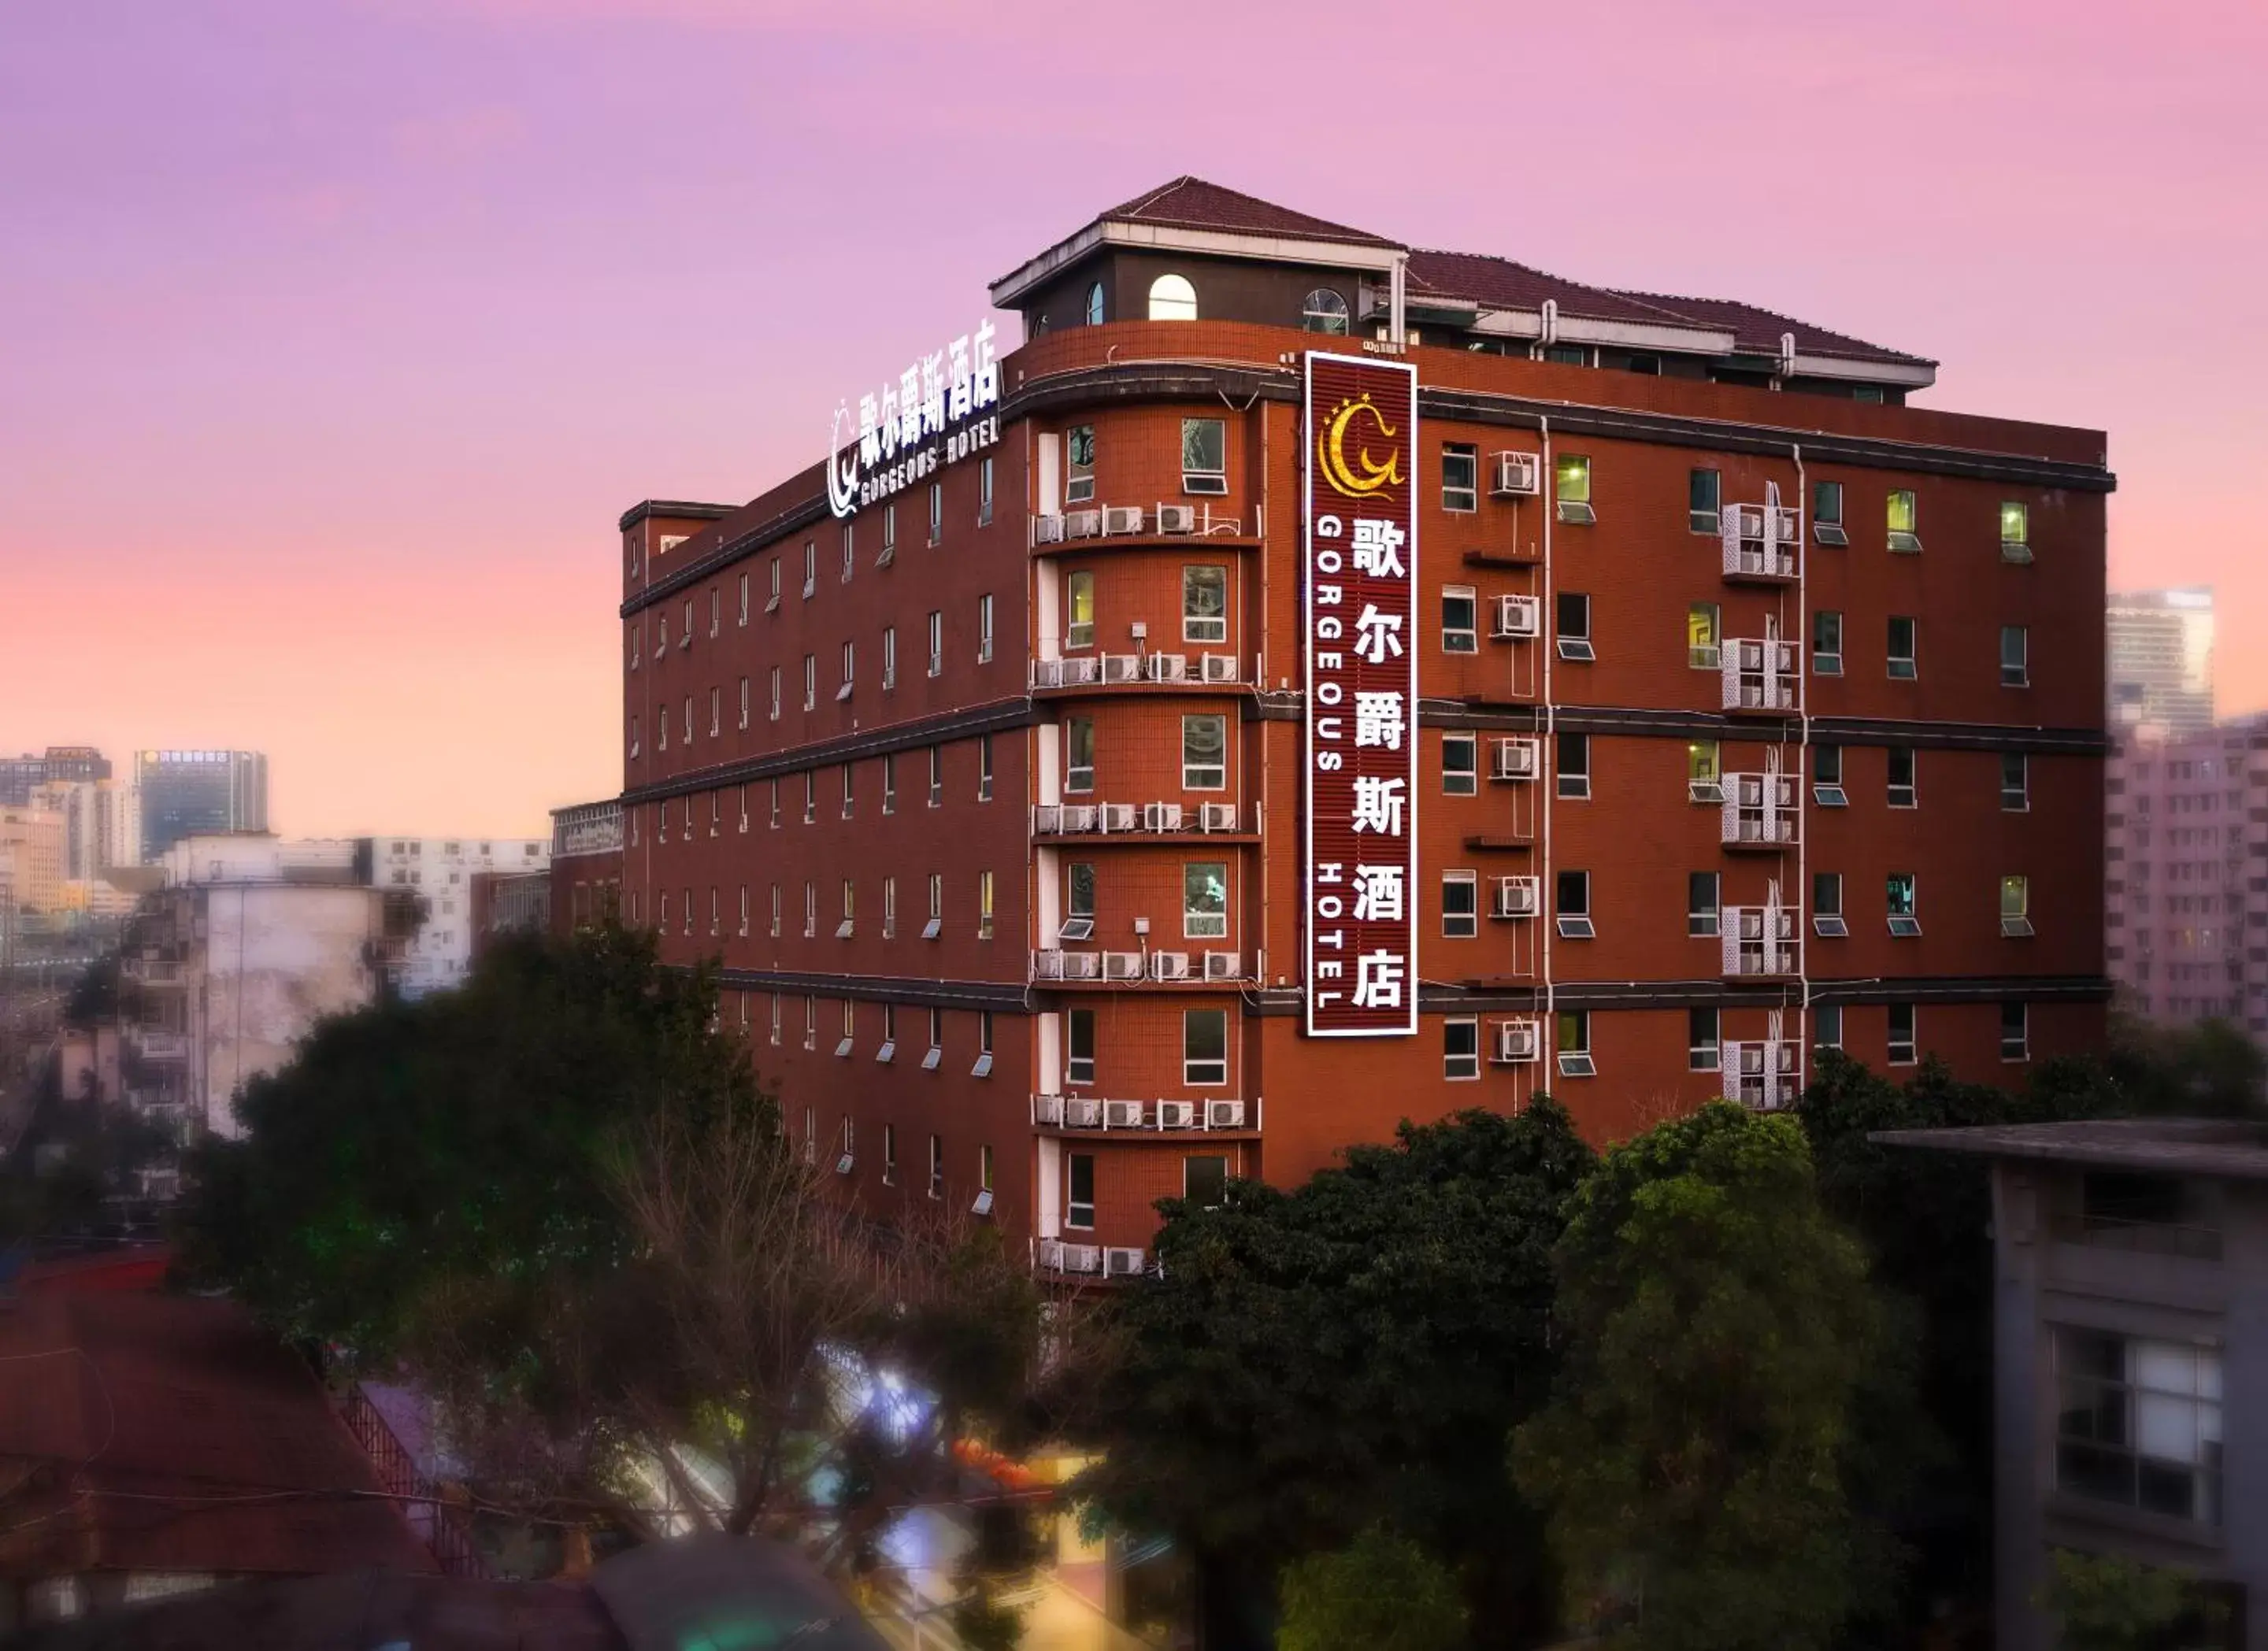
186, 793
19, 774
2161, 660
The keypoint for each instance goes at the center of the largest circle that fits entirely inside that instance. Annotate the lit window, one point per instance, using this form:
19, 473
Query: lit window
1459, 620
1205, 1047
983, 906
1094, 305
1898, 901
1702, 509
2015, 656
1078, 752
2015, 531
1171, 298
1460, 905
2016, 907
1078, 600
2139, 1423
1902, 1041
1461, 477
1461, 1050
1571, 761
1704, 782
1701, 1051
1574, 1044
1701, 904
1571, 477
1702, 645
1205, 753
1901, 629
1204, 901
1324, 311
1204, 456
1460, 765
1905, 534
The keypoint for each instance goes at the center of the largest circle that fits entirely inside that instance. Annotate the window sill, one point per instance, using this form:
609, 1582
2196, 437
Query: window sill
2069, 1505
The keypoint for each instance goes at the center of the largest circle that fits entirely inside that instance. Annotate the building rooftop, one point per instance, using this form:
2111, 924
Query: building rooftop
2226, 1148
1192, 203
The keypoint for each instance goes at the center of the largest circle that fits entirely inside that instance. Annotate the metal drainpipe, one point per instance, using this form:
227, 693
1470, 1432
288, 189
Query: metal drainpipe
1397, 301
1546, 767
1802, 765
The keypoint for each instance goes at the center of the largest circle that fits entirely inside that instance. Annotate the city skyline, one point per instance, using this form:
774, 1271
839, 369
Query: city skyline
359, 339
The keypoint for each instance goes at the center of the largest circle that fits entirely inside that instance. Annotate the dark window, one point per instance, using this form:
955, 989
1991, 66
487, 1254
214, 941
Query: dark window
1702, 504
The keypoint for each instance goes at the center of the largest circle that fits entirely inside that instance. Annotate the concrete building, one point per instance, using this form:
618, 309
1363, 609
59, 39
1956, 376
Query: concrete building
2130, 1362
2161, 660
442, 870
586, 865
2185, 874
225, 968
509, 903
33, 839
19, 774
100, 830
189, 793
1315, 681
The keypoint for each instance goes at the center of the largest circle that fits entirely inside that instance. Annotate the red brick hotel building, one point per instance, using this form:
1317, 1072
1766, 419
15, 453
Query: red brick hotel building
1314, 681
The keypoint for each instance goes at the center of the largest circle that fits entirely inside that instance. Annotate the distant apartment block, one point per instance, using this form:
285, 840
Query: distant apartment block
441, 869
19, 774
32, 842
2161, 660
2186, 875
191, 792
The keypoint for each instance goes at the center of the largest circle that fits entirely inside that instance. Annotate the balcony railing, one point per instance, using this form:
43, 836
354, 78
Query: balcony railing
154, 1044
1760, 810
1760, 941
1759, 674
1133, 968
1103, 1116
153, 972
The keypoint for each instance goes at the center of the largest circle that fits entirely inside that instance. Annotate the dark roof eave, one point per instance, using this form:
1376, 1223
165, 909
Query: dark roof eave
682, 509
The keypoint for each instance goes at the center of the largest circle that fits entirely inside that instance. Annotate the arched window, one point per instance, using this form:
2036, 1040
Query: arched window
1171, 298
1324, 312
1094, 305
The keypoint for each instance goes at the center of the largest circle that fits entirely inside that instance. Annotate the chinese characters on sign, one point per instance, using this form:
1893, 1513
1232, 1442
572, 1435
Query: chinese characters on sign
916, 423
1359, 528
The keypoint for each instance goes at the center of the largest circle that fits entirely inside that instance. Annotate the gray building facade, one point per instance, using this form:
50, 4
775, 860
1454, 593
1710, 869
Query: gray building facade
198, 793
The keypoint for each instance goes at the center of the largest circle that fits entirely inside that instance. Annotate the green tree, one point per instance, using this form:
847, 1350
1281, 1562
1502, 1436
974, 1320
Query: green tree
2104, 1604
1311, 1362
1695, 1455
1382, 1592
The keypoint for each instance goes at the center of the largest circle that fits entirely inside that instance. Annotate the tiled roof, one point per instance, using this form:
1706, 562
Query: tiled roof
1759, 330
1192, 203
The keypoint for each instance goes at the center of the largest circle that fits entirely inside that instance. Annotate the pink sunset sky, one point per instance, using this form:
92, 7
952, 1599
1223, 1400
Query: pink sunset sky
338, 335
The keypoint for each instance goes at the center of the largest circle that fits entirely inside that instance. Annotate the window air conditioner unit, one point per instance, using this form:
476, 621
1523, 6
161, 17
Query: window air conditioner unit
1047, 966
1161, 816
1517, 1042
1167, 667
1122, 965
1117, 817
1121, 1263
1177, 518
1512, 760
1082, 523
1513, 896
1048, 1109
1077, 817
1223, 965
1051, 1253
1121, 518
1219, 667
1080, 1111
1514, 475
1046, 673
1516, 616
1081, 965
1121, 667
1224, 1114
1078, 672
1217, 816
1122, 1114
1047, 819
1082, 1258
1177, 1114
1047, 530
1170, 966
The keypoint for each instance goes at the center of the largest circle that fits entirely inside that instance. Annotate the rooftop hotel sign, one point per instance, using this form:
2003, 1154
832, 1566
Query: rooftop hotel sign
1359, 527
916, 424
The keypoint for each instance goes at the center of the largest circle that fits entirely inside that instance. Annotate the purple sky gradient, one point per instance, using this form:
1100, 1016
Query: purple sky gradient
337, 335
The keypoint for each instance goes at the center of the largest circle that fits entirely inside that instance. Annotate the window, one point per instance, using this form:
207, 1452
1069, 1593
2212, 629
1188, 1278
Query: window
1460, 765
1078, 1047
937, 776
985, 630
983, 906
1204, 1180
810, 1040
634, 737
2015, 656
849, 789
1898, 901
984, 767
716, 611
811, 682
744, 598
889, 658
1902, 1035
1827, 919
1171, 298
1205, 753
1205, 605
2015, 531
850, 551
1571, 901
1324, 311
1460, 905
1094, 305
1902, 793
1701, 1051
1078, 752
1461, 1050
811, 797
1702, 509
1204, 456
1570, 480
775, 694
1571, 613
1827, 643
1827, 777
1901, 629
661, 633
2016, 907
772, 605
849, 1038
2015, 1031
1827, 513
1205, 1047
1461, 476
685, 636
1459, 620
1078, 450
1705, 781
850, 671
1905, 534
1827, 1026
889, 536
889, 908
810, 568
936, 643
744, 703
983, 1067
890, 1154
1701, 904
810, 908
1571, 761
1574, 1044
2015, 782
984, 493
1204, 899
744, 911
1079, 599
1702, 644
776, 1018
936, 512
2137, 1423
937, 1166
1568, 355
1079, 1204
984, 1180
1078, 903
